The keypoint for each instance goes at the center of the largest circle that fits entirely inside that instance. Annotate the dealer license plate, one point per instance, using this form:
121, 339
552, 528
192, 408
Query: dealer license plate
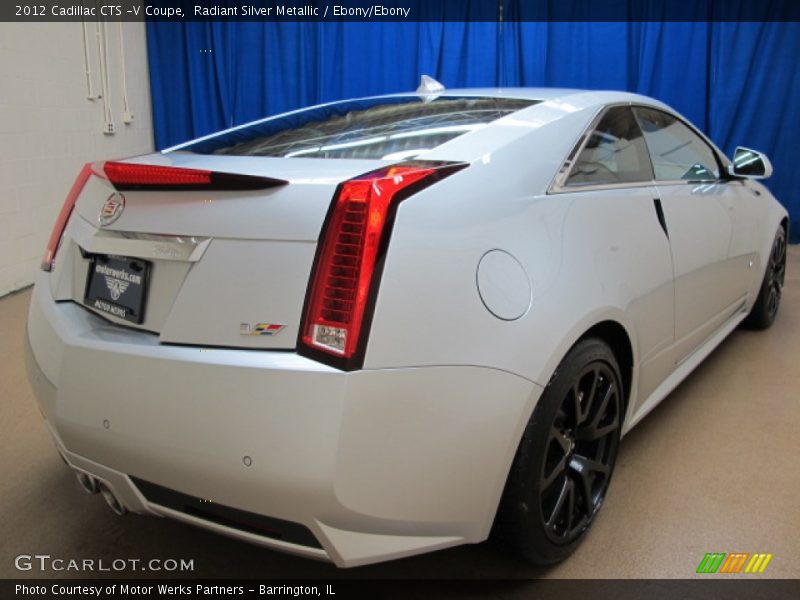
117, 286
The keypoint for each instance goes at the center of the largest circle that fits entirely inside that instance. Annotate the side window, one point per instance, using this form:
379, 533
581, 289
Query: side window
614, 153
677, 152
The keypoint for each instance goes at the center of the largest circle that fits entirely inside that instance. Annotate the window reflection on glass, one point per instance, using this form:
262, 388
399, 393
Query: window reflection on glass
615, 152
391, 128
676, 151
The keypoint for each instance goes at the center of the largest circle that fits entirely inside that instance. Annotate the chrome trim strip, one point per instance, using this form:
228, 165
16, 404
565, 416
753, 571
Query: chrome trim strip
591, 187
143, 245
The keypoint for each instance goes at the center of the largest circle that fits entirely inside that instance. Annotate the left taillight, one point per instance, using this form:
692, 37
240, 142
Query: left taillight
63, 217
346, 270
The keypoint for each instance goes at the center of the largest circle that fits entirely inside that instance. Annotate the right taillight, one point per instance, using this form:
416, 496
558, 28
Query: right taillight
346, 271
63, 217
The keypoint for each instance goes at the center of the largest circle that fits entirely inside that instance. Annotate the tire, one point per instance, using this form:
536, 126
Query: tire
559, 476
762, 315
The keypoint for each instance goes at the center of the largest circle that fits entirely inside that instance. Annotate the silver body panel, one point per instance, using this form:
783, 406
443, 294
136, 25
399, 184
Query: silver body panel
410, 453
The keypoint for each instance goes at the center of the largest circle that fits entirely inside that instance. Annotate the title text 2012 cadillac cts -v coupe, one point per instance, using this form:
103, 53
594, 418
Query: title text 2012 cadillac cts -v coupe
379, 327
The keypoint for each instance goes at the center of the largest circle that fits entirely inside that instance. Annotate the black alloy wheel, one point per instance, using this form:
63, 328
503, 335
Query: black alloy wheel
564, 462
580, 453
776, 273
766, 306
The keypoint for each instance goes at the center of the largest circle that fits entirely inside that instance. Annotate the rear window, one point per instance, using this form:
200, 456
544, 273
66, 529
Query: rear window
380, 128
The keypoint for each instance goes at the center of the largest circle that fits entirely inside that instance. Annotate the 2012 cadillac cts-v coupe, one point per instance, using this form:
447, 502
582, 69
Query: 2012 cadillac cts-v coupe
380, 327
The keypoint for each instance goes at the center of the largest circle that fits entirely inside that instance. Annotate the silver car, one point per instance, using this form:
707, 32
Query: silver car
379, 327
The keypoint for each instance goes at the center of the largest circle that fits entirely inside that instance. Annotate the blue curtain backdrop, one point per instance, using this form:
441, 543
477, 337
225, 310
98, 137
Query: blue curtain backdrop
738, 81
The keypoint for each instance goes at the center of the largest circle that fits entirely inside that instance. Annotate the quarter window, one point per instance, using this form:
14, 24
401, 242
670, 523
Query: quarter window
677, 152
614, 153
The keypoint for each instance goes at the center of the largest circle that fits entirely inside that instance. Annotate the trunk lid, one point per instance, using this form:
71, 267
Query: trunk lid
223, 268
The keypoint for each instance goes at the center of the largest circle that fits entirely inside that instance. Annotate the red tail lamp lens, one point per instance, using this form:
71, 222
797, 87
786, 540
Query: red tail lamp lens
344, 273
63, 217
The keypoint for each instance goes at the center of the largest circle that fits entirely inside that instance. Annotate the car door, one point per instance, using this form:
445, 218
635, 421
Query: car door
611, 183
706, 221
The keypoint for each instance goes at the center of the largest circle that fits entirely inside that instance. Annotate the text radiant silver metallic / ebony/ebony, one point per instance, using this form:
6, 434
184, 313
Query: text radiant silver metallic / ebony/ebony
366, 329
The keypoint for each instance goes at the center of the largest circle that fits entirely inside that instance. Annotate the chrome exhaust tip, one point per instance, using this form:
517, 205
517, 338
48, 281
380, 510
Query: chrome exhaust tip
112, 501
89, 484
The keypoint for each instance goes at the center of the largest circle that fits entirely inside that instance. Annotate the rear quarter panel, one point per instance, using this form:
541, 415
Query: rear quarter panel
589, 256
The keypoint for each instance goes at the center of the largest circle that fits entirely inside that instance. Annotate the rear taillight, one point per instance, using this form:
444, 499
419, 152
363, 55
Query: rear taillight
135, 176
63, 217
347, 266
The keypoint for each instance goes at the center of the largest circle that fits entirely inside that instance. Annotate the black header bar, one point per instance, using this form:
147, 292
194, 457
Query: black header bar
401, 10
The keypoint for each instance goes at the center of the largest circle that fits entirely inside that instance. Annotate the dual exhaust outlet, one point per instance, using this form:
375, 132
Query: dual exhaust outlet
92, 485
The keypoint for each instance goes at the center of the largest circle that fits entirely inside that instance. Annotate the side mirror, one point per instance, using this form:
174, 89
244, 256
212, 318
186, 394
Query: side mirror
750, 164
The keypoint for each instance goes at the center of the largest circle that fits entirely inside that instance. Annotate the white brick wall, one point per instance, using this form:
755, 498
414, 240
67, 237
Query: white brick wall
48, 129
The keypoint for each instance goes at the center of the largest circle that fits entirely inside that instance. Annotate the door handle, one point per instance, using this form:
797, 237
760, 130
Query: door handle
660, 214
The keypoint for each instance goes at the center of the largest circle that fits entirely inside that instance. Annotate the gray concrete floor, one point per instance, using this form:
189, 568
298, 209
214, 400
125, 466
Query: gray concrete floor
713, 468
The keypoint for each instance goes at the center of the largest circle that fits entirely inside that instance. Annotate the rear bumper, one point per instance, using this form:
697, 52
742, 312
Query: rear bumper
376, 464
